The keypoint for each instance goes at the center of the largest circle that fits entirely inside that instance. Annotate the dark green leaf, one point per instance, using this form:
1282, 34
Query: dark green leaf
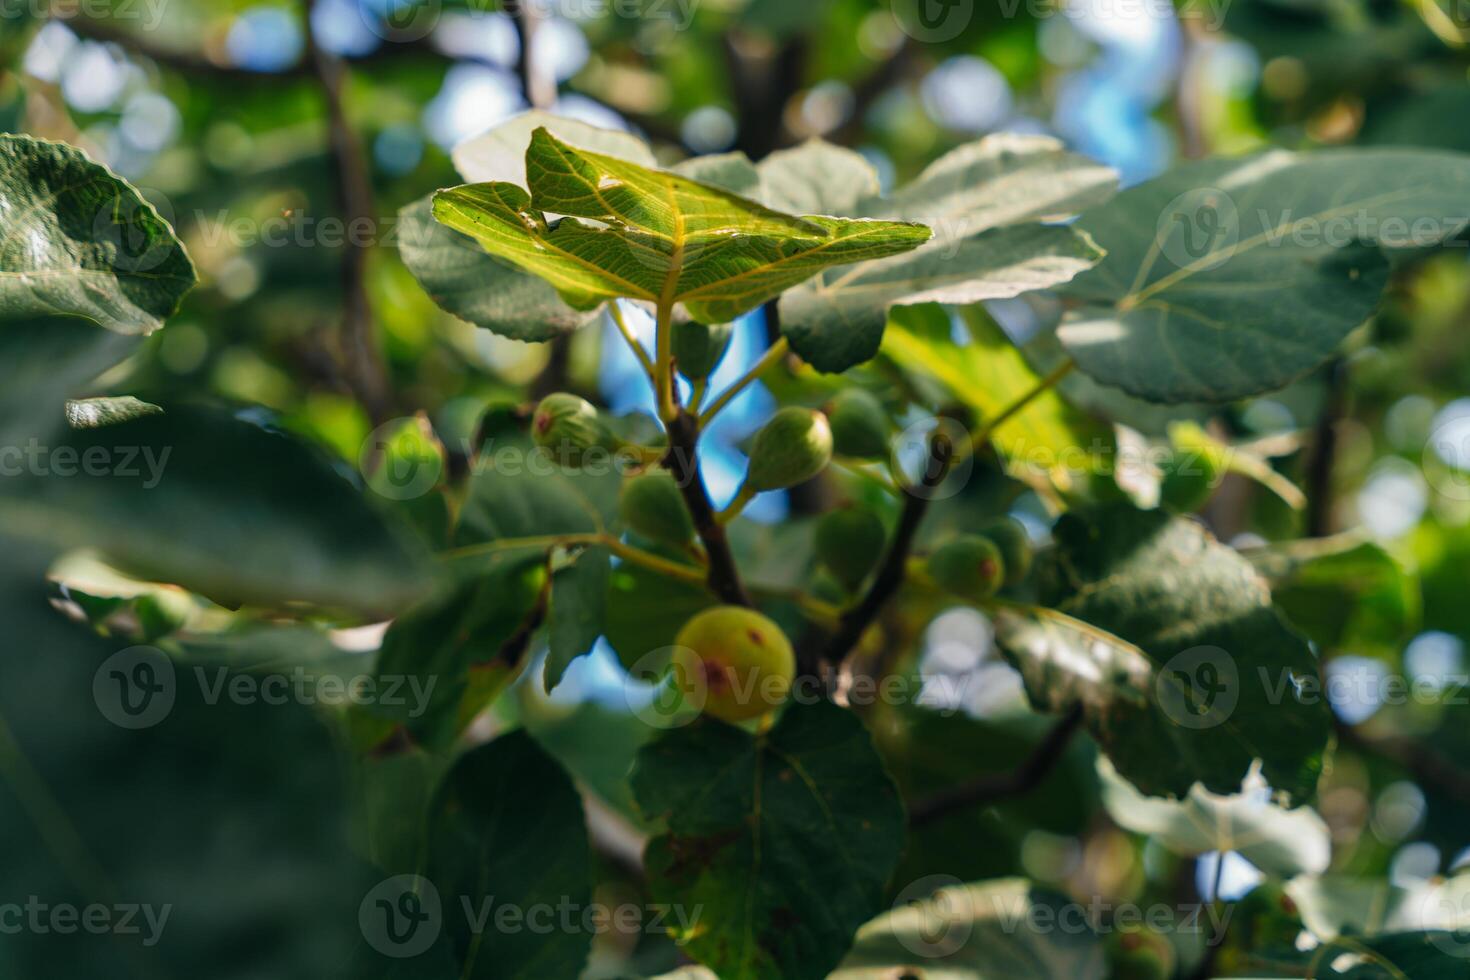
985, 201
1345, 593
508, 833
222, 507
475, 286
578, 610
784, 841
76, 238
1226, 279
1204, 682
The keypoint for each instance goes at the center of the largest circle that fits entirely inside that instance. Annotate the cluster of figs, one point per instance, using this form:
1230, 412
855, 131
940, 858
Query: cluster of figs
741, 658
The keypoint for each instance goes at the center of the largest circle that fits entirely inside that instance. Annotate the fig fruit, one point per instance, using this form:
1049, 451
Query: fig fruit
1190, 479
1267, 918
743, 661
860, 427
969, 566
794, 446
1137, 954
569, 426
699, 347
651, 504
1015, 547
849, 542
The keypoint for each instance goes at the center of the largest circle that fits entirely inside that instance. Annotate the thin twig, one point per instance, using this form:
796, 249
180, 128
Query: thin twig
538, 86
890, 574
682, 461
621, 322
994, 787
773, 354
363, 365
988, 430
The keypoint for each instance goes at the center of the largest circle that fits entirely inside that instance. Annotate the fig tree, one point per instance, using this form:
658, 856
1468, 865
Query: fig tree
794, 446
651, 504
969, 566
849, 543
742, 659
860, 427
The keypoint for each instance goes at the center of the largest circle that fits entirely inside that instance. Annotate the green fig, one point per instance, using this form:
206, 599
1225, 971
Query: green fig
569, 426
849, 542
162, 613
652, 505
1014, 543
860, 427
1137, 954
699, 347
969, 566
1190, 479
794, 446
742, 660
1267, 918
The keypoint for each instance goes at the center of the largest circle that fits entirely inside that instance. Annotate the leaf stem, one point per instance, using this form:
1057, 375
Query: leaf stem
616, 312
987, 431
625, 551
774, 353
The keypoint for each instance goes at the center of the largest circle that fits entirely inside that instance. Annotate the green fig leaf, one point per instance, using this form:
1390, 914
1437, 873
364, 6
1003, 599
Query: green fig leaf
783, 840
1230, 278
1194, 677
76, 238
656, 236
507, 832
986, 201
1006, 929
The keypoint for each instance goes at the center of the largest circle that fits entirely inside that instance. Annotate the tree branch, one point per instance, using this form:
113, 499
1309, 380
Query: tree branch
682, 460
856, 620
364, 369
1323, 462
994, 787
1427, 765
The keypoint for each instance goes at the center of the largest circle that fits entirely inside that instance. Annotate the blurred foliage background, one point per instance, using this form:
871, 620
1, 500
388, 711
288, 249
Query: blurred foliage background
281, 141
